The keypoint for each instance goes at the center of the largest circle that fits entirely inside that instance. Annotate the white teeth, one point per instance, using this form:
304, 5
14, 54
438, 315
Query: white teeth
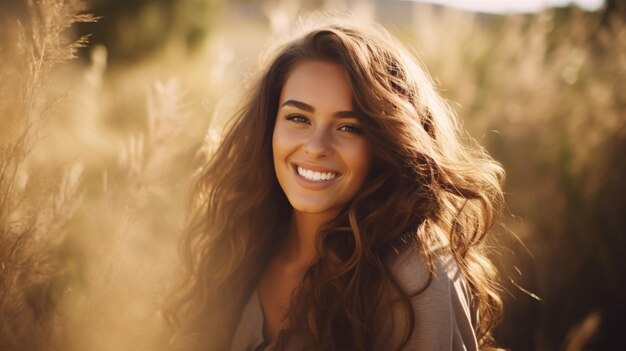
316, 176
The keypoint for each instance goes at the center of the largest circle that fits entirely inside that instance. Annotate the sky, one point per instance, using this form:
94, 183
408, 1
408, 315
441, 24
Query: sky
509, 6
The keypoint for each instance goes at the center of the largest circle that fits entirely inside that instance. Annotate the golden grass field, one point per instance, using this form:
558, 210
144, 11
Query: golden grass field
97, 150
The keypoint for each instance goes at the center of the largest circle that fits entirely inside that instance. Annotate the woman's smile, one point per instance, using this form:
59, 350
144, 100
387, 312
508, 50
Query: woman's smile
314, 178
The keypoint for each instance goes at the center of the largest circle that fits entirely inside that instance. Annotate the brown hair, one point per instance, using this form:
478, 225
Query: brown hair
430, 182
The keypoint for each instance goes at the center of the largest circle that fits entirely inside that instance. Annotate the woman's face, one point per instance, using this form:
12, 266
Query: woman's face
321, 156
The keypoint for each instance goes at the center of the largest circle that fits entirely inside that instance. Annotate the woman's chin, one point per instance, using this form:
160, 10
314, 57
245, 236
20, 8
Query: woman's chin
313, 208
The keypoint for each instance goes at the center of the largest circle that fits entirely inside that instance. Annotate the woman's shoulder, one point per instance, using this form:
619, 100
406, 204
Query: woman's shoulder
412, 267
440, 298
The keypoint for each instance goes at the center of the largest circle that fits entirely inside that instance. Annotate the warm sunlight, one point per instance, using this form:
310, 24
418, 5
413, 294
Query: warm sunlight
175, 173
510, 6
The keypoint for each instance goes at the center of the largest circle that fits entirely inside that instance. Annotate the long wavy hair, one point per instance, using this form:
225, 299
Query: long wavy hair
431, 185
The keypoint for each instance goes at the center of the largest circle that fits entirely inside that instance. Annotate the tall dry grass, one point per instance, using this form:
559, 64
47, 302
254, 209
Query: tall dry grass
117, 303
545, 94
68, 281
96, 155
34, 206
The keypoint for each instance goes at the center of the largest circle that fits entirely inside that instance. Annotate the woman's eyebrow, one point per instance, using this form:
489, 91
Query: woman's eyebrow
308, 108
299, 104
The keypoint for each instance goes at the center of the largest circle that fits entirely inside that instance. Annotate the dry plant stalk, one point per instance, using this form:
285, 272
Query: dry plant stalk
545, 93
579, 335
117, 307
32, 212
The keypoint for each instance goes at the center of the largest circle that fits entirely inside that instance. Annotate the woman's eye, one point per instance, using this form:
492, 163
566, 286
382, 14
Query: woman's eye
351, 128
297, 119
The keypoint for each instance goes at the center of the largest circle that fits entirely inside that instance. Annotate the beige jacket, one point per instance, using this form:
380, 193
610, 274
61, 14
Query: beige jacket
444, 318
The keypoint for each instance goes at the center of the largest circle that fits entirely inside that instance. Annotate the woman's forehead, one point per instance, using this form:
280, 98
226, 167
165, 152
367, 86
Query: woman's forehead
318, 83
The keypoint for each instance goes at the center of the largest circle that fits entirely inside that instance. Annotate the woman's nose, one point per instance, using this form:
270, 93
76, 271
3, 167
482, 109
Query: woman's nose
318, 144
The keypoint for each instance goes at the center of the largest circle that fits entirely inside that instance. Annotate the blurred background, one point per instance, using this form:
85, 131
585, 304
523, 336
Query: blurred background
98, 136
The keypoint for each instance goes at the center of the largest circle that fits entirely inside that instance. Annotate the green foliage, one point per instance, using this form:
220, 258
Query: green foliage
135, 29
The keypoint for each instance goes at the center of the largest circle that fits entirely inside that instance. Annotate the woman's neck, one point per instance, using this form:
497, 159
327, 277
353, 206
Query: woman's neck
300, 245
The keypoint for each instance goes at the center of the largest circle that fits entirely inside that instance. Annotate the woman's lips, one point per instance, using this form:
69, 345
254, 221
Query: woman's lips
314, 168
314, 177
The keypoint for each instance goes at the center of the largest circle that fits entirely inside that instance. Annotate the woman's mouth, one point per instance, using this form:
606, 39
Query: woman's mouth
315, 176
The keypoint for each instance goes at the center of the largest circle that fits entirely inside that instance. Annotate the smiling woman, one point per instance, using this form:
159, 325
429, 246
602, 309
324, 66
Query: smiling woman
341, 211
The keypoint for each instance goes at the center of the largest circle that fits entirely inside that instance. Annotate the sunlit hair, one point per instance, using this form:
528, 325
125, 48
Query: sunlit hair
431, 185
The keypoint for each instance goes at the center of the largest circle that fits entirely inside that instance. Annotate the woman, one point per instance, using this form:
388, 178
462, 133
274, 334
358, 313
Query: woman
343, 210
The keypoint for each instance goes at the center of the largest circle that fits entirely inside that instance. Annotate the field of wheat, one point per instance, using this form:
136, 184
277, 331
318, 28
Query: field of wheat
98, 137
